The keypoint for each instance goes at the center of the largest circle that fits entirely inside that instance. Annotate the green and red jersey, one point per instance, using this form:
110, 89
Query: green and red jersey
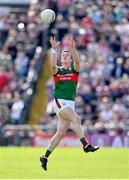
65, 83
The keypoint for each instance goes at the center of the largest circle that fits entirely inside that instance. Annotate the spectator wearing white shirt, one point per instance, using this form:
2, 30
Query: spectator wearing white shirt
16, 109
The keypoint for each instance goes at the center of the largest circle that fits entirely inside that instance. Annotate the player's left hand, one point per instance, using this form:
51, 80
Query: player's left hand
71, 42
55, 44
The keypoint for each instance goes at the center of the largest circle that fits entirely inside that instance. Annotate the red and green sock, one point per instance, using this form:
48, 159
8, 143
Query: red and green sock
47, 153
84, 142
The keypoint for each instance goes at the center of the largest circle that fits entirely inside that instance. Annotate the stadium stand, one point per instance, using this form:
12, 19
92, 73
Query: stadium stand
101, 32
20, 64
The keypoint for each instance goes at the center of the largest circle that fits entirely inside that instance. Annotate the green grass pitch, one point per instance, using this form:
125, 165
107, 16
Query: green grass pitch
64, 163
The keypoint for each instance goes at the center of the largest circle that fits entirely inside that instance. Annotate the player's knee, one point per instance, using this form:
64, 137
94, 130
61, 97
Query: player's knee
77, 119
61, 133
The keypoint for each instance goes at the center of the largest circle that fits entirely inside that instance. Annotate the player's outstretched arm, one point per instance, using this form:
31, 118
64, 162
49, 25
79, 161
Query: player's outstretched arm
54, 54
74, 53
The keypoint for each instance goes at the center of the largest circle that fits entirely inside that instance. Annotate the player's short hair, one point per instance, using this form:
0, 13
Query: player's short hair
65, 50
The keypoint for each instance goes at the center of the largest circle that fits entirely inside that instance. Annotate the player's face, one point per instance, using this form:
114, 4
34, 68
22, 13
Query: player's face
66, 58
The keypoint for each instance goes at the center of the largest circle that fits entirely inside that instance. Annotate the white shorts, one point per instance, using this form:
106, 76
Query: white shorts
60, 104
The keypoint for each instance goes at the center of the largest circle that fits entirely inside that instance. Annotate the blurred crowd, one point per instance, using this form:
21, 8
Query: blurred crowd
101, 32
20, 51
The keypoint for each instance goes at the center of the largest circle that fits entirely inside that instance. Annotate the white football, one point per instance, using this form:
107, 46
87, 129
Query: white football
47, 16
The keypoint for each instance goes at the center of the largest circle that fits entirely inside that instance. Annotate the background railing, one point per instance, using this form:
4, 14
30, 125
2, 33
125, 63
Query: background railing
40, 135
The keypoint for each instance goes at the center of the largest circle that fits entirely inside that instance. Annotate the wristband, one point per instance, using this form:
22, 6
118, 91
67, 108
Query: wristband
54, 50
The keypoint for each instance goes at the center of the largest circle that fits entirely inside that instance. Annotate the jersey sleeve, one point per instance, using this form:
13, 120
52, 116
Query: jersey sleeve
74, 69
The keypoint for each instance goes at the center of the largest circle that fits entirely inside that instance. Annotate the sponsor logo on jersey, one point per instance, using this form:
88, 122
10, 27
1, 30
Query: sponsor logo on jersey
66, 77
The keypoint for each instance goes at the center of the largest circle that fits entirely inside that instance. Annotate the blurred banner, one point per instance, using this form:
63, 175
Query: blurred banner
9, 2
102, 140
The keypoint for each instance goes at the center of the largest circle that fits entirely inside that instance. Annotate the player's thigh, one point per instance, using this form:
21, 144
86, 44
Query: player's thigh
69, 114
63, 124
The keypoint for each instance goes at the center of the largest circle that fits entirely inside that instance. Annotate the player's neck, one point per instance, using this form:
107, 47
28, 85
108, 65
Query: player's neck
65, 66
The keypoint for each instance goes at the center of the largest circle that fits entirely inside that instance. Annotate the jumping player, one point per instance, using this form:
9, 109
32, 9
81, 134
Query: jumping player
65, 79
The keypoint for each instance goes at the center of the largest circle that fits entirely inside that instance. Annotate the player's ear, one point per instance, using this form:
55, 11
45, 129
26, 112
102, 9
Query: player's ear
71, 57
71, 60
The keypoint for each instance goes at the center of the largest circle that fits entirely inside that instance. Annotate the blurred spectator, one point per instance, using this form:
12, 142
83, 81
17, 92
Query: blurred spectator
21, 64
4, 79
4, 114
16, 109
